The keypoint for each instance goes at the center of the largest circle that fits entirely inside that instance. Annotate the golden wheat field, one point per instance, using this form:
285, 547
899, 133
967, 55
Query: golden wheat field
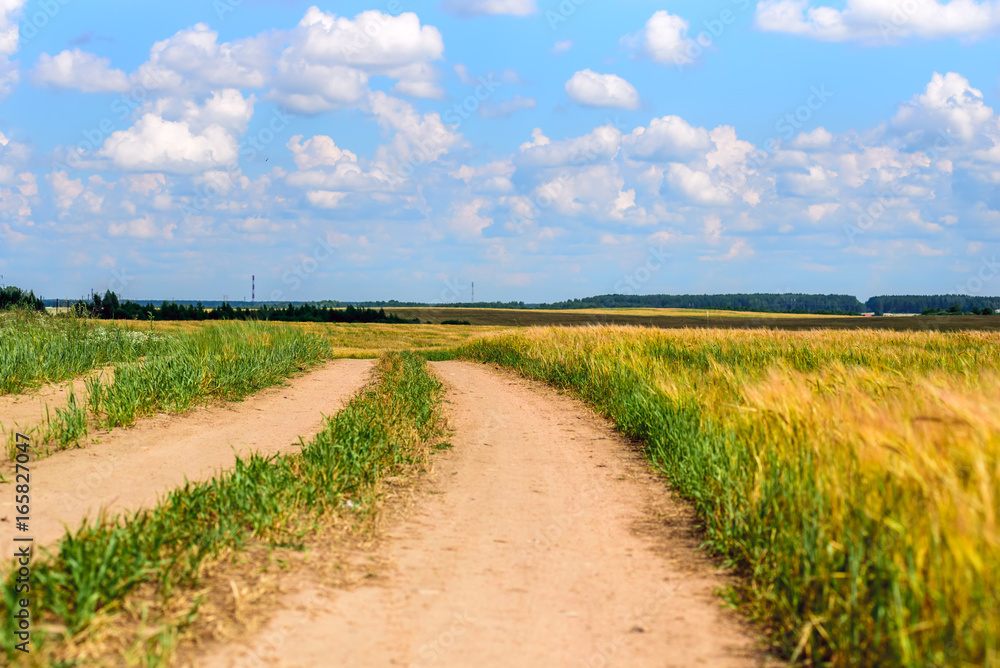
852, 476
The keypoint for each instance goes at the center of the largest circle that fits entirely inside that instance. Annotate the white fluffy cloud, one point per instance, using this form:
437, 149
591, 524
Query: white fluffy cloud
695, 185
194, 58
155, 144
600, 145
667, 138
591, 89
467, 8
949, 104
225, 108
323, 63
663, 39
80, 70
9, 35
880, 20
417, 139
318, 151
372, 43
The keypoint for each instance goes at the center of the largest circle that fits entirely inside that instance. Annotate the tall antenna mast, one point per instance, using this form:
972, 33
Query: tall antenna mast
253, 290
473, 292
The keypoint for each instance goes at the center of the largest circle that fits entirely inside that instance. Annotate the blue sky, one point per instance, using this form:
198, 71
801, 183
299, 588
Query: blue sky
543, 149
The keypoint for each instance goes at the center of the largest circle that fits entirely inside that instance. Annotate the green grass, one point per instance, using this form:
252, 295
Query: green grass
226, 361
64, 428
272, 500
223, 361
37, 349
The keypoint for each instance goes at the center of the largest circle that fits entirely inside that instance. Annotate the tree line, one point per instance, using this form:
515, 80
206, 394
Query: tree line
764, 302
108, 307
13, 297
933, 304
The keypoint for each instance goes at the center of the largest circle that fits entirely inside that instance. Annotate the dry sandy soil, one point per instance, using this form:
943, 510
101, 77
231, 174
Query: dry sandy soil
130, 468
541, 539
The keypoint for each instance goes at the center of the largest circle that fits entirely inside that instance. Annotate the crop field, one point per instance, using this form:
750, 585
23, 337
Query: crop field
691, 318
847, 478
850, 476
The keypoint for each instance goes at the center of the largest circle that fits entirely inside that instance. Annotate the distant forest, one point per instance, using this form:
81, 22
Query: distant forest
771, 303
109, 307
374, 311
932, 304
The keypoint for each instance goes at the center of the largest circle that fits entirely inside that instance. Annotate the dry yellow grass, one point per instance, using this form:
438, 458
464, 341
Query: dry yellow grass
367, 340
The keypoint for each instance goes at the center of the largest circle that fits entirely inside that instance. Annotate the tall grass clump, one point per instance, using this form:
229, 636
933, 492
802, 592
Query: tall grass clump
226, 361
37, 348
275, 500
850, 476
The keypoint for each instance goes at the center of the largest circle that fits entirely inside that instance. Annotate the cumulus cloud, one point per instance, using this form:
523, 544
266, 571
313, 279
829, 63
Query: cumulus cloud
880, 20
416, 138
469, 8
371, 43
155, 144
467, 219
591, 89
949, 104
667, 138
600, 145
318, 151
695, 185
816, 139
225, 108
78, 70
663, 40
323, 63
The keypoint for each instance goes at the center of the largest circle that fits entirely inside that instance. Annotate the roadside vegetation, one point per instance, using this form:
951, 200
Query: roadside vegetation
277, 501
224, 361
851, 477
36, 348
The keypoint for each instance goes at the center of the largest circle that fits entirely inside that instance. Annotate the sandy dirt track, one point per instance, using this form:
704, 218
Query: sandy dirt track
130, 468
28, 409
542, 540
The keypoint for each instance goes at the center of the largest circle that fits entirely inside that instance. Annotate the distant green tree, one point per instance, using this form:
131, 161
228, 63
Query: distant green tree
13, 297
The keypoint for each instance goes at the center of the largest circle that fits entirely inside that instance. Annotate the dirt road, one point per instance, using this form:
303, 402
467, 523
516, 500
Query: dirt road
543, 540
23, 411
130, 468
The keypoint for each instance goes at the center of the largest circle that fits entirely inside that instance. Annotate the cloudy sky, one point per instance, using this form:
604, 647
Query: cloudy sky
544, 149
